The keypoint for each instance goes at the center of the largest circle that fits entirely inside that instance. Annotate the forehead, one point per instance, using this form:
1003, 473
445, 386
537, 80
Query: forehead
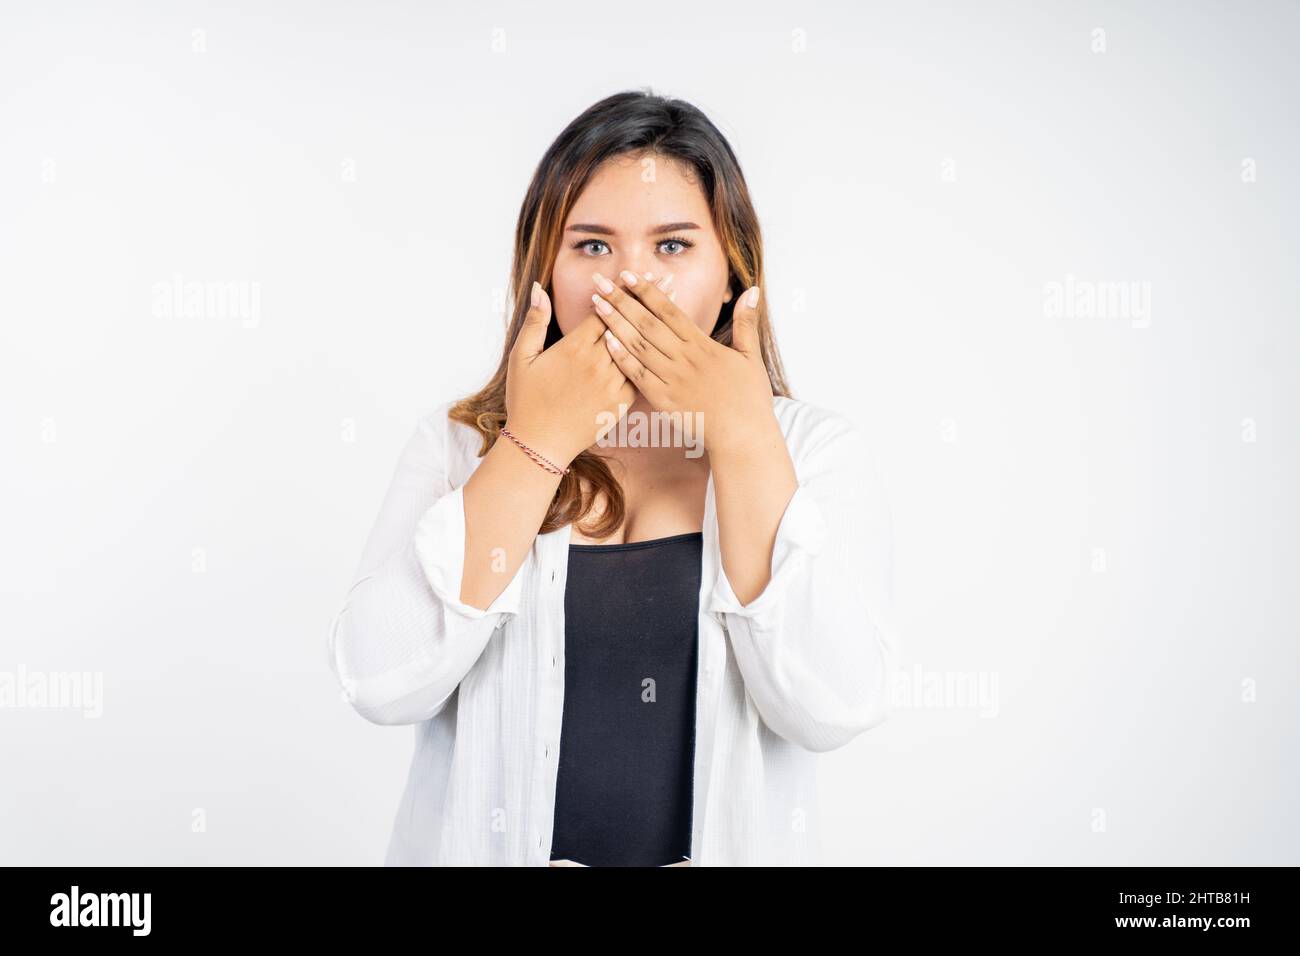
635, 192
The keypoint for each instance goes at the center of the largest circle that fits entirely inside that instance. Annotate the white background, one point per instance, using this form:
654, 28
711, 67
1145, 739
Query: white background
922, 172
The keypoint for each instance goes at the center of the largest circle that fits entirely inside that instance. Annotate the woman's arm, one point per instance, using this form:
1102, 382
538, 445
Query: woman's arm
555, 399
441, 567
753, 482
816, 648
404, 640
506, 500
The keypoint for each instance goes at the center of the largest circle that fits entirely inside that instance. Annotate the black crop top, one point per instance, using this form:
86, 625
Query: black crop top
625, 783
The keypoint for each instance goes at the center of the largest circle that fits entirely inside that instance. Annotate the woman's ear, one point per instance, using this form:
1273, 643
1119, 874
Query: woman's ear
727, 297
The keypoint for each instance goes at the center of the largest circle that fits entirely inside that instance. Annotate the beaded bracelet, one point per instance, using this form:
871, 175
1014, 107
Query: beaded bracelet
544, 462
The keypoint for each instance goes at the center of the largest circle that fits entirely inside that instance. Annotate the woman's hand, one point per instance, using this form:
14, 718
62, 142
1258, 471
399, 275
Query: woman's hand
555, 396
679, 368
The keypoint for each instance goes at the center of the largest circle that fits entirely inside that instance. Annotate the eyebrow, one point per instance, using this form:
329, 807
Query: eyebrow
606, 231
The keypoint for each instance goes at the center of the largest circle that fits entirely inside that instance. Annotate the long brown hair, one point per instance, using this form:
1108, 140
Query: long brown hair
630, 122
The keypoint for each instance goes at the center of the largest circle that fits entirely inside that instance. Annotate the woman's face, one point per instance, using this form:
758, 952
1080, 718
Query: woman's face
643, 214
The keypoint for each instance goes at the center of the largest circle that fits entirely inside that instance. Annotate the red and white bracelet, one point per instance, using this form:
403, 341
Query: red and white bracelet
535, 456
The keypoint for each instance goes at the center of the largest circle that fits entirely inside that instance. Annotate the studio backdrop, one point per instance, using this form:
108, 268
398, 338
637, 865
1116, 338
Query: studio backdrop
1042, 255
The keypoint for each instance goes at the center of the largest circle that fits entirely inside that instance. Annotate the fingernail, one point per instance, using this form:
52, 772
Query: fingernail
753, 297
613, 342
668, 281
537, 293
603, 284
628, 277
649, 276
603, 307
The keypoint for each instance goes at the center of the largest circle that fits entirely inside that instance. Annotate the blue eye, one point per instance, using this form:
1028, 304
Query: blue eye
684, 244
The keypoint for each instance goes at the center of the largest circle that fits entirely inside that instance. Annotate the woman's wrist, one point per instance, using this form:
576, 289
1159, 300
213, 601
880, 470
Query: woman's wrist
541, 460
521, 473
539, 439
744, 444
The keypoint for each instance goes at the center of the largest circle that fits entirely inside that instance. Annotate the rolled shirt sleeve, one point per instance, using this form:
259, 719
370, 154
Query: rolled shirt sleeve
799, 539
440, 546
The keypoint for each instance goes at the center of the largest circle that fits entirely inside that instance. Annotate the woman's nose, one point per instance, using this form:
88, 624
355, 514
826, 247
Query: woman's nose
639, 265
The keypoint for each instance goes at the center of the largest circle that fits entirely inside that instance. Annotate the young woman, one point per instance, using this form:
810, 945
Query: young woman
629, 589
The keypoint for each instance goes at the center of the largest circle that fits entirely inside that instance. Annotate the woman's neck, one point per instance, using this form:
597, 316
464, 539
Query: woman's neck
634, 455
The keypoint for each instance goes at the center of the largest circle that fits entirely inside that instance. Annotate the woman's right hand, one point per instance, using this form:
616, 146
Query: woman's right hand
555, 397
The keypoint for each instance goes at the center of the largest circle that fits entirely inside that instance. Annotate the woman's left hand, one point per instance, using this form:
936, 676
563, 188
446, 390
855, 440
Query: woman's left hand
678, 368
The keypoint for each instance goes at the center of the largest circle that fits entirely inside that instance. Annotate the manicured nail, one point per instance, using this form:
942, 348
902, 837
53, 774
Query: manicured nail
603, 307
537, 293
613, 342
753, 297
628, 277
667, 283
603, 284
650, 276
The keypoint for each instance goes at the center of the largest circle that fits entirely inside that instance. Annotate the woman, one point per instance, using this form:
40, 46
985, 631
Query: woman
621, 651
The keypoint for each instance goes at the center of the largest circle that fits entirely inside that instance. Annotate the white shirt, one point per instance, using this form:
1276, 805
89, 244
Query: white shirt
803, 668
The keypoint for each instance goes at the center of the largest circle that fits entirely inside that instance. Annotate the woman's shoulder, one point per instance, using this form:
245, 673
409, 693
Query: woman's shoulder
807, 425
451, 438
826, 442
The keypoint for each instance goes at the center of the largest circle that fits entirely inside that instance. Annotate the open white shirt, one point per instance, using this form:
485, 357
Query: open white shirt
803, 668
